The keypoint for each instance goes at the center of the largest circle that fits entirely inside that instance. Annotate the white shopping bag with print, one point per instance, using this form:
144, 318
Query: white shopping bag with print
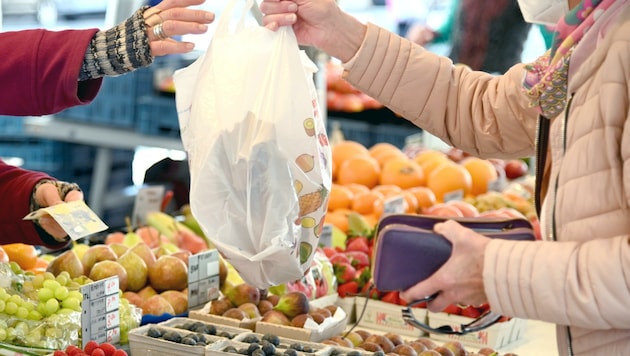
260, 163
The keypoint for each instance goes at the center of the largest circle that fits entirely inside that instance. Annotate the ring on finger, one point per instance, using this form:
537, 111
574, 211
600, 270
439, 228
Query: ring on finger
158, 31
152, 17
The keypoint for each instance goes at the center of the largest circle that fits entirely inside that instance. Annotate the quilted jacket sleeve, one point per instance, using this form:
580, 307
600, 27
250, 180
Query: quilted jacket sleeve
479, 113
16, 189
40, 71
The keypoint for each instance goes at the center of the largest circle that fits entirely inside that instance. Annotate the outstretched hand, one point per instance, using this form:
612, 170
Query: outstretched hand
173, 18
460, 279
47, 195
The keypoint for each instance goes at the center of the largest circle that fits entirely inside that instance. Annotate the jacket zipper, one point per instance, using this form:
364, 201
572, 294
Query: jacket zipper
553, 210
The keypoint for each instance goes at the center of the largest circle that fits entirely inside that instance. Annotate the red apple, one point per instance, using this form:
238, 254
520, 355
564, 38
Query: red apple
515, 168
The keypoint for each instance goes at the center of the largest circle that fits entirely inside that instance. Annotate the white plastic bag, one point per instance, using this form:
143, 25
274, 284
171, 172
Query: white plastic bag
260, 163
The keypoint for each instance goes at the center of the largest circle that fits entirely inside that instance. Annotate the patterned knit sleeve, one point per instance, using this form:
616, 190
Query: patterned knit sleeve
118, 50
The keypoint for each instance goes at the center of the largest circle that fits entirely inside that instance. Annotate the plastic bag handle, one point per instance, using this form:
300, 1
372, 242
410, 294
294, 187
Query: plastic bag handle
226, 16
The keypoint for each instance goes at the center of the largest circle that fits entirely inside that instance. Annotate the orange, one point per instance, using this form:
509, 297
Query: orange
340, 197
347, 149
449, 178
387, 189
382, 147
357, 188
40, 266
23, 254
338, 219
412, 202
371, 219
482, 173
428, 155
424, 196
402, 172
362, 169
363, 203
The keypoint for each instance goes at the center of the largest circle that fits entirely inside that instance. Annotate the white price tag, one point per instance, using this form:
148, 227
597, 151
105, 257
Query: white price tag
325, 237
148, 199
394, 205
100, 319
203, 278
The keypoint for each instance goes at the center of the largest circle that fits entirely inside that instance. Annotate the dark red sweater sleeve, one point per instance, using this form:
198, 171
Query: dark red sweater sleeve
16, 189
39, 71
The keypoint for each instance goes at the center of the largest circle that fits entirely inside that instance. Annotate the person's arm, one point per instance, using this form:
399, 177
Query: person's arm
485, 115
16, 193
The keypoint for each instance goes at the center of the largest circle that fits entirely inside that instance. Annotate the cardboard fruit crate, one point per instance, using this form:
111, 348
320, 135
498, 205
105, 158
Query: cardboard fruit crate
310, 332
221, 330
496, 336
204, 315
140, 344
347, 304
386, 317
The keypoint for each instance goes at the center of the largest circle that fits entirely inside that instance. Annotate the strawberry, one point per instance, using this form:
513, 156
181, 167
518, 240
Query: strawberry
344, 272
59, 353
120, 352
108, 348
391, 297
470, 312
358, 243
329, 251
97, 352
369, 291
348, 289
339, 258
90, 346
452, 309
358, 259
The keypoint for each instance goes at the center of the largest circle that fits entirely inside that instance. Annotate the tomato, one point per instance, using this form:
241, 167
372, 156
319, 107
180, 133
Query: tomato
23, 254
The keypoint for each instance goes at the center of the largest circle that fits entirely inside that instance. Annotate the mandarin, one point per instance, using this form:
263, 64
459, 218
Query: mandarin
363, 203
425, 197
357, 188
338, 219
402, 172
344, 150
387, 189
362, 169
339, 197
449, 178
482, 173
23, 254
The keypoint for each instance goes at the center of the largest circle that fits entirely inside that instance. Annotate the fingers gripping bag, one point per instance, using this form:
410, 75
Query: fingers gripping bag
259, 158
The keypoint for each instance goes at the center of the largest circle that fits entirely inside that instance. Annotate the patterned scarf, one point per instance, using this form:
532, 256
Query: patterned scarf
546, 79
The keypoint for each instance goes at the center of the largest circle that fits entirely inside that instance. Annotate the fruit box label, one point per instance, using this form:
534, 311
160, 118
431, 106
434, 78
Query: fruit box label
381, 316
497, 335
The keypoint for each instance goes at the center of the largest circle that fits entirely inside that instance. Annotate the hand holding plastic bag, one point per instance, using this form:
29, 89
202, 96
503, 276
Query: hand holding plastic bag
259, 156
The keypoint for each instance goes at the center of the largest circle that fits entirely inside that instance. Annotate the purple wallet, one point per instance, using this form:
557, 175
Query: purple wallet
408, 251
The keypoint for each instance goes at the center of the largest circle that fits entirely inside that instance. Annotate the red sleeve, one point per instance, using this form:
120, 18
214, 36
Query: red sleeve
16, 189
39, 71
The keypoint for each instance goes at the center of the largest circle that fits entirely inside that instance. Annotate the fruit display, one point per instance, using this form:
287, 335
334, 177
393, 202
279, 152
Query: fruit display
92, 348
342, 96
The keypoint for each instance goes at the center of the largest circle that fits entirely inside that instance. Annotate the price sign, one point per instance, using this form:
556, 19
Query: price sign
394, 205
454, 195
325, 237
203, 278
100, 319
148, 199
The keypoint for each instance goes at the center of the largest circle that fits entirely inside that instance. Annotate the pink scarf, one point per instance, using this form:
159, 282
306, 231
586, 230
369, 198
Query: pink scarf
546, 79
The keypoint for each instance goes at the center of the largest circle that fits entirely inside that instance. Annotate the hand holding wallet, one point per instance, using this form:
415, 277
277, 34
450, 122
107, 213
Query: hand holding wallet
409, 251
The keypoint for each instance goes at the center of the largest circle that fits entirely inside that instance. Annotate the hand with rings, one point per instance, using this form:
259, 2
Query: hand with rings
174, 18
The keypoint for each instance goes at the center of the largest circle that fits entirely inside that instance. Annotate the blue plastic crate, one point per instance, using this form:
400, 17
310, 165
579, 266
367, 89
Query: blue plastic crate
158, 116
353, 130
40, 155
394, 134
11, 127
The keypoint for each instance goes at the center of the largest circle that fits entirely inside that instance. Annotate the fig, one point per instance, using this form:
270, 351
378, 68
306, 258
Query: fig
292, 304
250, 309
220, 306
396, 339
264, 306
426, 342
404, 350
364, 333
456, 347
243, 293
342, 341
299, 320
235, 313
276, 317
370, 346
418, 346
318, 318
386, 344
443, 351
429, 353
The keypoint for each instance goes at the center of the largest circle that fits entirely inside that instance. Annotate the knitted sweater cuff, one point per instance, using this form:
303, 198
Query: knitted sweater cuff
118, 50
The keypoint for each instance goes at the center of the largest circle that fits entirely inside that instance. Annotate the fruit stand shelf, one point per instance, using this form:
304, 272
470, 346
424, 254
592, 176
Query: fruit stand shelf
104, 138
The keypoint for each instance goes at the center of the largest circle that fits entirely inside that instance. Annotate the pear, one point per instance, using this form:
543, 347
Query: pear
292, 304
67, 261
243, 293
131, 239
144, 251
177, 299
168, 272
119, 248
80, 249
105, 269
137, 270
96, 254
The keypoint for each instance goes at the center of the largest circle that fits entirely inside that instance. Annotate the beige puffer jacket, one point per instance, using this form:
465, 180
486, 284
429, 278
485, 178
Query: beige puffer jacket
584, 279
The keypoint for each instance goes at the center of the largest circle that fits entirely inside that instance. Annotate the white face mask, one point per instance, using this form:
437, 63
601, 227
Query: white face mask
546, 12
